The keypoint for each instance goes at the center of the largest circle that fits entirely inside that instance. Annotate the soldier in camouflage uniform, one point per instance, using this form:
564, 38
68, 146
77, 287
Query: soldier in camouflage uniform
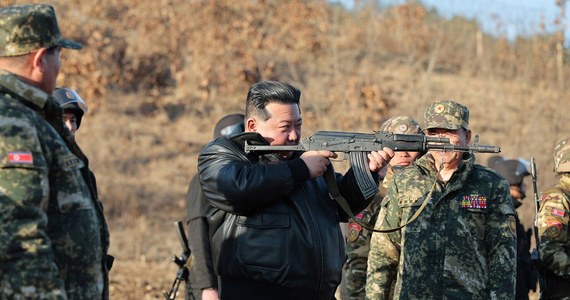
53, 237
358, 238
462, 244
553, 224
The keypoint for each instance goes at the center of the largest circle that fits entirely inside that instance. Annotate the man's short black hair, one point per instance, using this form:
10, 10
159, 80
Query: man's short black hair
264, 92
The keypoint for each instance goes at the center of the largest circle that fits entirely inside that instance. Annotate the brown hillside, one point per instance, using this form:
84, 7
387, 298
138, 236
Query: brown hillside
158, 74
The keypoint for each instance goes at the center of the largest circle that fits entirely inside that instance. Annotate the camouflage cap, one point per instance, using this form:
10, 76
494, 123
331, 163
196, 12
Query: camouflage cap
562, 155
401, 124
25, 28
446, 114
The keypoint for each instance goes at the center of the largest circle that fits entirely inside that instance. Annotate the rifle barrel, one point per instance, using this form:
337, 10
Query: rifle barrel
473, 148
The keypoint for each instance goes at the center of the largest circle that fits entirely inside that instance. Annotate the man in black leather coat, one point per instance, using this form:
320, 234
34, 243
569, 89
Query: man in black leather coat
274, 228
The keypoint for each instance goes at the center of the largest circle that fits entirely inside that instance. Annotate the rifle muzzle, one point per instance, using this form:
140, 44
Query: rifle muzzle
485, 149
472, 148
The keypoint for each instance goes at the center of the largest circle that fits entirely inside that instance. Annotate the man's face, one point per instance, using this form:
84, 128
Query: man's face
282, 128
518, 191
52, 61
403, 158
458, 137
70, 121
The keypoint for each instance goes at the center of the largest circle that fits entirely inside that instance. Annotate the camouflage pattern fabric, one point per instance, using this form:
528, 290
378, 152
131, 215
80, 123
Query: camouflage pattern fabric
402, 125
51, 243
358, 244
553, 221
25, 28
462, 246
562, 155
446, 114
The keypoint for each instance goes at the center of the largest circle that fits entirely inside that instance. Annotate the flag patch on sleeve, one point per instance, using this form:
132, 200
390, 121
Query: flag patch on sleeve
20, 158
557, 212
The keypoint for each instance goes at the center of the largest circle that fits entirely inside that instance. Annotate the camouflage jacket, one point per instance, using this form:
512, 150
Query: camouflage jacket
52, 241
462, 245
553, 221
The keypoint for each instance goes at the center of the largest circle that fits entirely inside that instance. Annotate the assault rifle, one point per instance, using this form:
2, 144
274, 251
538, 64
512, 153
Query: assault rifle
358, 145
535, 254
183, 262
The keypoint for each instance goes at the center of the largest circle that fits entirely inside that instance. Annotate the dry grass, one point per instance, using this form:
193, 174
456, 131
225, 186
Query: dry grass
158, 74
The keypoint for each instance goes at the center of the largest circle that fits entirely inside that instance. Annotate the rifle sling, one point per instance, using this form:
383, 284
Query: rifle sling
335, 194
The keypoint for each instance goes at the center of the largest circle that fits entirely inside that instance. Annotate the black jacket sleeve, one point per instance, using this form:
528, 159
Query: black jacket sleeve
241, 183
202, 273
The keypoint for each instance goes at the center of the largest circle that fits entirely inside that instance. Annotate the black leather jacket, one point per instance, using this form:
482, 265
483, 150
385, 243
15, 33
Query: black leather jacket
270, 222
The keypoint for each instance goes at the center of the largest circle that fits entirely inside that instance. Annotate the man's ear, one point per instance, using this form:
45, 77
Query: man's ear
38, 59
250, 125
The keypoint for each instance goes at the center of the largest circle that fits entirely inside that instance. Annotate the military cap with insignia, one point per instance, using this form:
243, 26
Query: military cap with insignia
446, 114
401, 125
26, 28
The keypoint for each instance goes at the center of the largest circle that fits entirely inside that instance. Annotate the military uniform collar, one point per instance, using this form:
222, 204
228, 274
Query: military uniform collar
565, 181
14, 85
427, 163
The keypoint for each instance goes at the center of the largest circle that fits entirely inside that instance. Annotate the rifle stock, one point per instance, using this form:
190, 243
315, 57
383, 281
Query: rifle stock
358, 145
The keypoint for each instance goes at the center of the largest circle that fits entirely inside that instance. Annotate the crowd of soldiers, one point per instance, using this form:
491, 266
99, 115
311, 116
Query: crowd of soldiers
267, 225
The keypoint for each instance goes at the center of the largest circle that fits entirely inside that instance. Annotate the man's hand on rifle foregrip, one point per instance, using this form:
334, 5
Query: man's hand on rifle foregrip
379, 159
